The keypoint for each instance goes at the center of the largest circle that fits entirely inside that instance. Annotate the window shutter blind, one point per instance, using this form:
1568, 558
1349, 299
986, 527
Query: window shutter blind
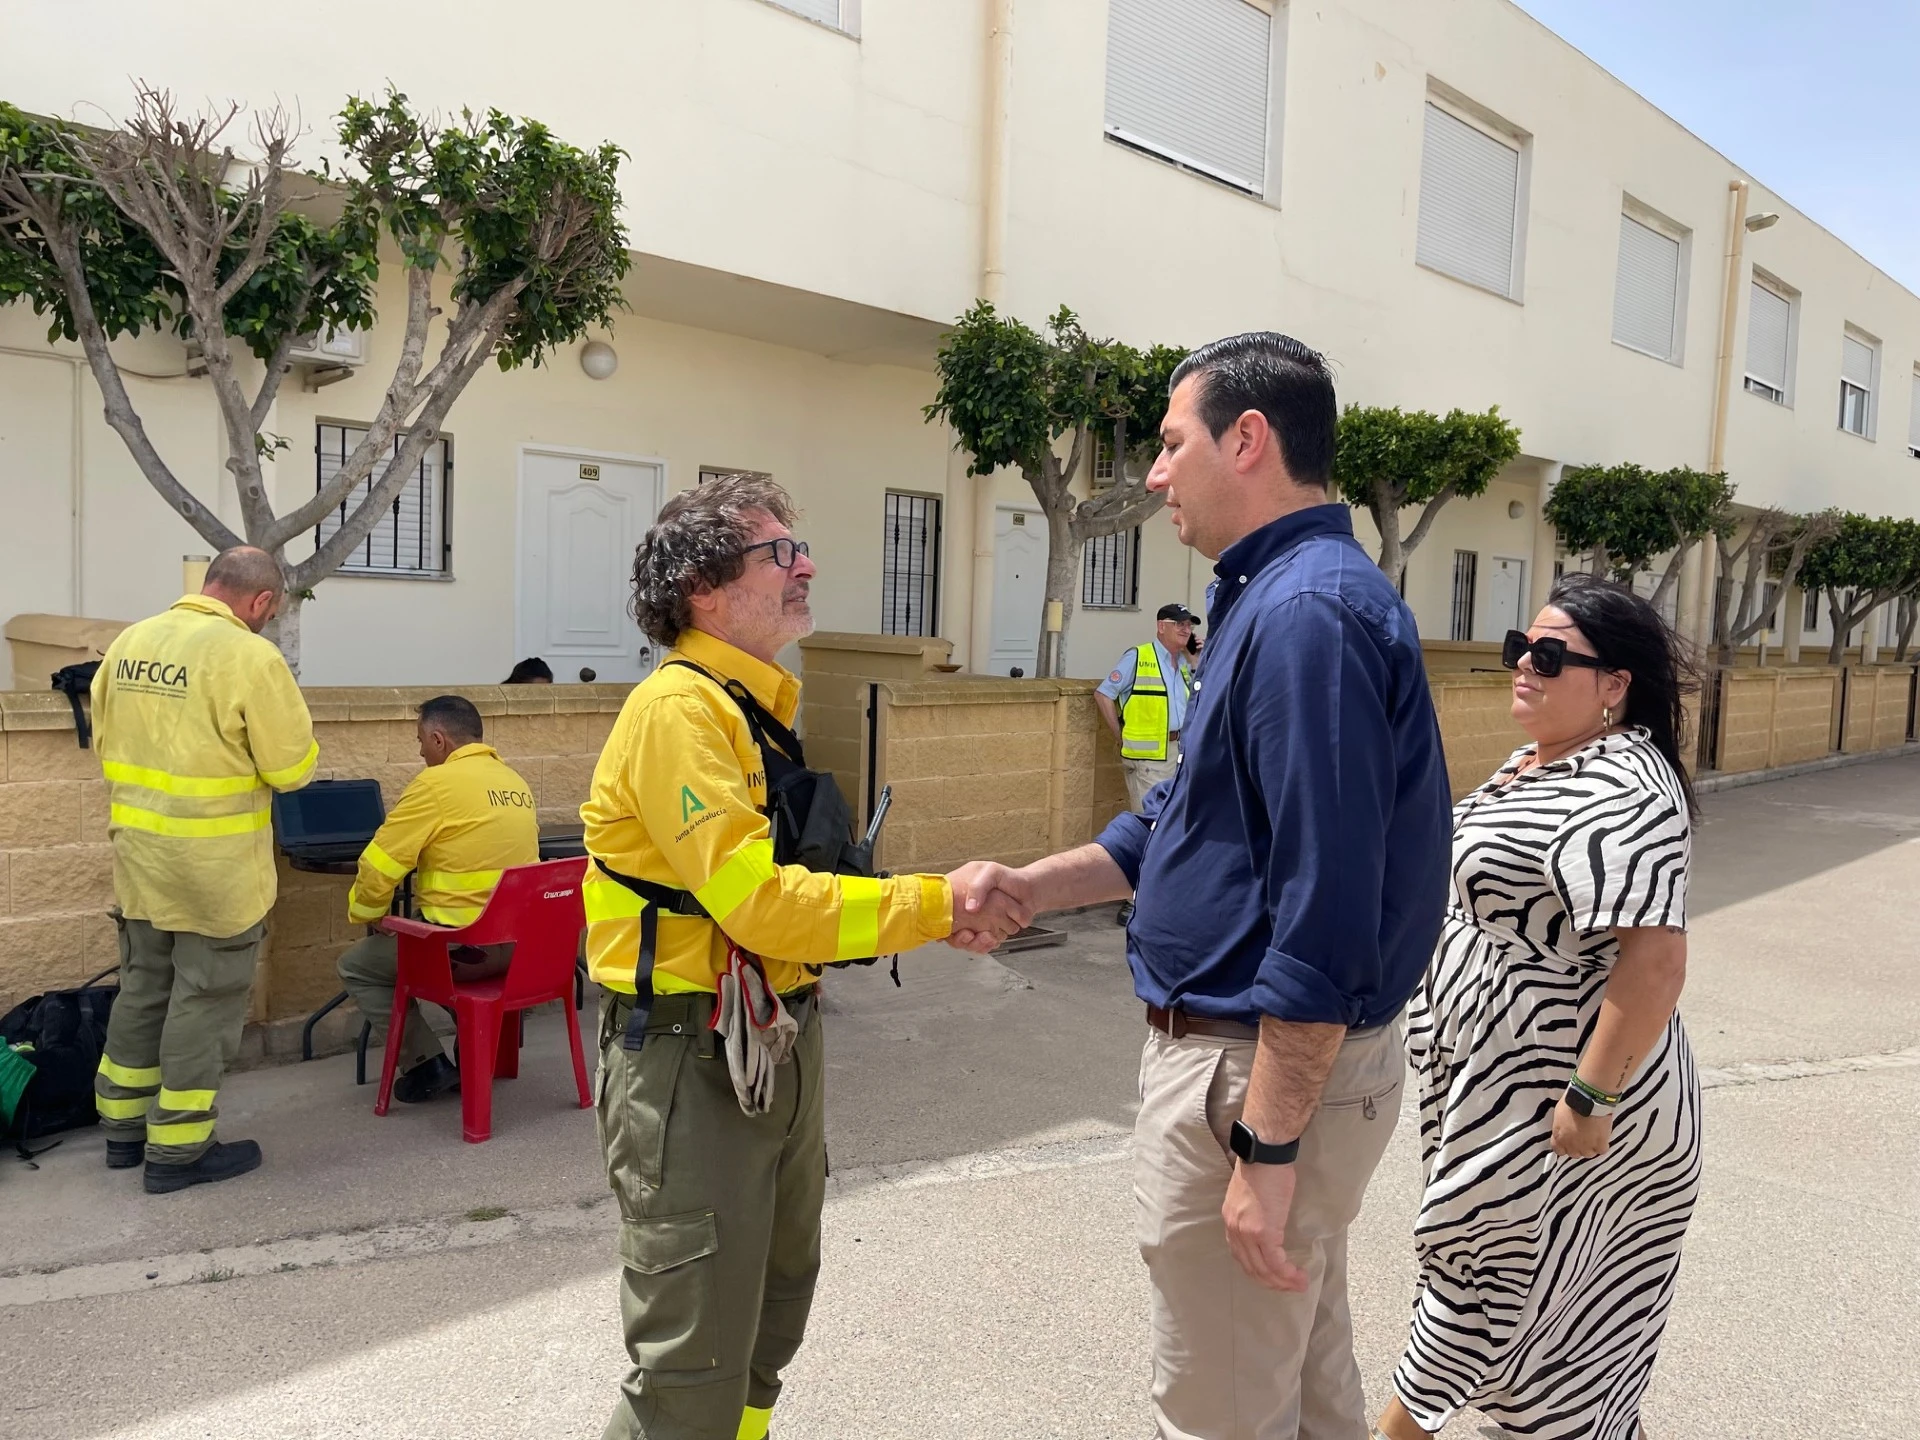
1187, 79
1645, 289
1767, 319
827, 12
1913, 416
1469, 188
1856, 362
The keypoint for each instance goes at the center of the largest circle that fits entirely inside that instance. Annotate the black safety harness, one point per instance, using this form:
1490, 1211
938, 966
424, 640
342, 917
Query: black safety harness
811, 823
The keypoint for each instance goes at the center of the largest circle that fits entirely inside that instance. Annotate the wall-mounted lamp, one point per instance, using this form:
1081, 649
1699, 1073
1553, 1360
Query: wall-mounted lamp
1515, 509
598, 359
1763, 220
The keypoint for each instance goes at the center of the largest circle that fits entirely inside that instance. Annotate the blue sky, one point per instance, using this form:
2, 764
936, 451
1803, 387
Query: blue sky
1813, 98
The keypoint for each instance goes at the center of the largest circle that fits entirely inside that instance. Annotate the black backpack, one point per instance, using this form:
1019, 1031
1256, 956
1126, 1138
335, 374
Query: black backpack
64, 1034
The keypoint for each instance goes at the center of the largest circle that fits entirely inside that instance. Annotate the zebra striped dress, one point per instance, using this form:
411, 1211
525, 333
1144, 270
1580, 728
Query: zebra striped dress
1545, 1280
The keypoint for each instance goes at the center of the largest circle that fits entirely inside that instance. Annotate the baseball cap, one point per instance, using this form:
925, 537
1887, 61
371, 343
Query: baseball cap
1177, 612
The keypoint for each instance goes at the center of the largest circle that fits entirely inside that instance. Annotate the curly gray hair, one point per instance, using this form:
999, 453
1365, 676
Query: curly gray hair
698, 540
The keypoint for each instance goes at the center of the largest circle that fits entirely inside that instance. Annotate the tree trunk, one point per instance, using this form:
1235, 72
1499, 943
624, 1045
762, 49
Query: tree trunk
1838, 613
1383, 505
1670, 576
1063, 568
1909, 614
285, 629
1600, 563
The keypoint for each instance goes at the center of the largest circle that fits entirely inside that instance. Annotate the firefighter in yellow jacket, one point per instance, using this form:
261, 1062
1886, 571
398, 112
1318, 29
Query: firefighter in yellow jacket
458, 824
197, 720
720, 1178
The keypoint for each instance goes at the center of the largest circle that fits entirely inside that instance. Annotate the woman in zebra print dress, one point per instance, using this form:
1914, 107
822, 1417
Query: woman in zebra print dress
1559, 1105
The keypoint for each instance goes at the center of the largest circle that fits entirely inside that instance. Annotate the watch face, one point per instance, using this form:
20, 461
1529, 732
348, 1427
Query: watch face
1240, 1140
1578, 1102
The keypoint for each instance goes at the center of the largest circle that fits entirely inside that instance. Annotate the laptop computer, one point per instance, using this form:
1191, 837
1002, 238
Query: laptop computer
328, 820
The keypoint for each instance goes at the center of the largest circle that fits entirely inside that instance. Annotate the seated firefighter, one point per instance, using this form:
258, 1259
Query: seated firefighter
459, 823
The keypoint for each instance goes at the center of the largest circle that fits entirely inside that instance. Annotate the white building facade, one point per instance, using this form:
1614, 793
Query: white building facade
1453, 204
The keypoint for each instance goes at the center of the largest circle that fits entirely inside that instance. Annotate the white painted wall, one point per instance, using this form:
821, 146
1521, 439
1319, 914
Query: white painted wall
850, 169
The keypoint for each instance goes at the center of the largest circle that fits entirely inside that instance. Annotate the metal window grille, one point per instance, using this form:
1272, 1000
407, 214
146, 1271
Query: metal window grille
1466, 571
910, 573
1110, 571
1810, 617
414, 536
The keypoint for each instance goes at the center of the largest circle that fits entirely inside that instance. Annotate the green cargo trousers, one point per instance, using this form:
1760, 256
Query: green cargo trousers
368, 968
174, 1030
719, 1222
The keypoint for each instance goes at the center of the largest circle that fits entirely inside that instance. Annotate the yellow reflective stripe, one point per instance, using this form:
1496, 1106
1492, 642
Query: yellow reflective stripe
609, 900
451, 914
749, 869
379, 859
185, 1099
134, 1109
859, 918
141, 1078
293, 774
754, 1423
364, 914
170, 784
184, 1132
130, 817
457, 879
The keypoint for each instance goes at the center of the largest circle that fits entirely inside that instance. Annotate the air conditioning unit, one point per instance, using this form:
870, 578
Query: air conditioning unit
330, 348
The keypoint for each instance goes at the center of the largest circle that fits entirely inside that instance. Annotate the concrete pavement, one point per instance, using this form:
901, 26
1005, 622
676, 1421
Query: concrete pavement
379, 1278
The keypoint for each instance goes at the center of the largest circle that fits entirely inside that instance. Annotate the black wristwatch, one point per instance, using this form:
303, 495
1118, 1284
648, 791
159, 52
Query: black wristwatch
1255, 1151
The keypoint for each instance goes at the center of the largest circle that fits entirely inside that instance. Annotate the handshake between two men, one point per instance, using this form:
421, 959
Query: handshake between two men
991, 903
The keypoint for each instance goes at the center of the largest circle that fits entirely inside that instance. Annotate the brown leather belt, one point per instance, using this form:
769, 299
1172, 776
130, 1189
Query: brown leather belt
1176, 1024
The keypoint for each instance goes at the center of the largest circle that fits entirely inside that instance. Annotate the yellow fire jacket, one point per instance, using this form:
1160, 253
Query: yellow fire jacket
195, 717
676, 800
459, 824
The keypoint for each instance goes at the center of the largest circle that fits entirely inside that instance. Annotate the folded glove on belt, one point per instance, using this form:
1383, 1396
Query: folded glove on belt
756, 1031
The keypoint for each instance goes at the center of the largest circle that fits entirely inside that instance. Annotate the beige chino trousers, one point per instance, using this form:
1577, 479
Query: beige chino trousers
1233, 1360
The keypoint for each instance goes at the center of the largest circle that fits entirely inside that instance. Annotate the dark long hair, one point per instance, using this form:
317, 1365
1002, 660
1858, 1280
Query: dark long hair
1628, 634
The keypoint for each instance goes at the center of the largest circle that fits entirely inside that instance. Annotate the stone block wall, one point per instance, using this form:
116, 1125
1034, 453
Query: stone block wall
840, 670
56, 875
1877, 701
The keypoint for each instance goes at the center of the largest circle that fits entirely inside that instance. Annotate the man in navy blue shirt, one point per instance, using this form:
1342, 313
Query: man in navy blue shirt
1288, 885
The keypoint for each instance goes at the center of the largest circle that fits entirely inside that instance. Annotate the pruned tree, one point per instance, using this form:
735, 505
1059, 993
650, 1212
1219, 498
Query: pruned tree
1013, 396
1860, 566
1387, 459
1624, 517
162, 225
1770, 557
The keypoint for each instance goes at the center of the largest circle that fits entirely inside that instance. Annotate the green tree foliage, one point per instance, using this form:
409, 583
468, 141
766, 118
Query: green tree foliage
1860, 566
1388, 459
1013, 394
161, 226
1624, 517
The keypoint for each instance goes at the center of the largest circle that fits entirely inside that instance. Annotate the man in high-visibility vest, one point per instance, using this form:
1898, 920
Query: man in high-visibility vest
197, 720
720, 1178
458, 824
1144, 702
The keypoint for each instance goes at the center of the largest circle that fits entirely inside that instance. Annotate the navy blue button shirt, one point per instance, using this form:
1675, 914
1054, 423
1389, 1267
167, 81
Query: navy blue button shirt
1296, 865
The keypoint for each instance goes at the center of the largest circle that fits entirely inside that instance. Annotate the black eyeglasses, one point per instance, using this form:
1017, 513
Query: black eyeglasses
785, 551
1550, 654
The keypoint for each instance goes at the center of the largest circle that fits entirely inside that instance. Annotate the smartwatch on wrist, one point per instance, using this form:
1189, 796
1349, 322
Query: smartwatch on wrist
1584, 1099
1255, 1151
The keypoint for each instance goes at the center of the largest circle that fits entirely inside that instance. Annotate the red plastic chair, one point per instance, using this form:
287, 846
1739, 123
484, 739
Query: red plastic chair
536, 908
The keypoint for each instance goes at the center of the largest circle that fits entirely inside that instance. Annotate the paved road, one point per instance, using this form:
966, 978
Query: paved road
378, 1278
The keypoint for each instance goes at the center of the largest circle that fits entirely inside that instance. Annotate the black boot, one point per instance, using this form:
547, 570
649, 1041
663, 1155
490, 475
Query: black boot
426, 1080
125, 1154
220, 1162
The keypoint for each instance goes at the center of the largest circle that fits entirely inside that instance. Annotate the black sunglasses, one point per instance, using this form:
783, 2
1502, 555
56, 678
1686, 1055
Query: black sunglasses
784, 550
1550, 654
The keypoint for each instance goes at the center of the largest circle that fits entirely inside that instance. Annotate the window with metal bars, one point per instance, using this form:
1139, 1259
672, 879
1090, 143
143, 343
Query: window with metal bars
414, 536
1810, 617
1110, 571
1466, 573
910, 570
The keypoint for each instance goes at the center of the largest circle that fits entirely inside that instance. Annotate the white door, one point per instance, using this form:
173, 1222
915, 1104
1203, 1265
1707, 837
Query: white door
1506, 598
1019, 588
581, 516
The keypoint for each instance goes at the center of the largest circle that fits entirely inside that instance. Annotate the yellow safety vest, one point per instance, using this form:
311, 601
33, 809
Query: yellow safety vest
195, 717
676, 800
459, 824
1143, 721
